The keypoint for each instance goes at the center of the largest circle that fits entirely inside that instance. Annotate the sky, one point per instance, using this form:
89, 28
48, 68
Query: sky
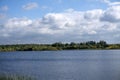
49, 21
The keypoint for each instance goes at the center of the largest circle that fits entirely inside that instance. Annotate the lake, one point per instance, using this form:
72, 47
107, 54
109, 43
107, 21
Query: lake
63, 65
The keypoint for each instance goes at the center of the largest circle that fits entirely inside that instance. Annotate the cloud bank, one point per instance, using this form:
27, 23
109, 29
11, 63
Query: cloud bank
30, 6
66, 26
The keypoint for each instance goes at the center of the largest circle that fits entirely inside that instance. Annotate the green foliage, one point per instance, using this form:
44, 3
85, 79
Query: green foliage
59, 46
114, 46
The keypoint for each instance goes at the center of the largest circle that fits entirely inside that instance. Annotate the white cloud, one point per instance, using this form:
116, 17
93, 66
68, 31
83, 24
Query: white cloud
30, 6
69, 25
18, 22
114, 3
93, 14
4, 8
44, 7
112, 14
111, 3
2, 16
106, 1
16, 27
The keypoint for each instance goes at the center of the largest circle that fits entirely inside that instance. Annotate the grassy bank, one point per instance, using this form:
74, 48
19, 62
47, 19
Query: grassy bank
15, 77
59, 46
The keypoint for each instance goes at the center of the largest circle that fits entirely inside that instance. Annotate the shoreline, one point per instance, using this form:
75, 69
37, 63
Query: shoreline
89, 45
62, 50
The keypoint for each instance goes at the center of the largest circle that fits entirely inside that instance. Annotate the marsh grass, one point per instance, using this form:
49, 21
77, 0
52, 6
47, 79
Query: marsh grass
15, 77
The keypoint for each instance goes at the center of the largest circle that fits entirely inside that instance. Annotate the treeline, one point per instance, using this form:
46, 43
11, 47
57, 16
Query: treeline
60, 46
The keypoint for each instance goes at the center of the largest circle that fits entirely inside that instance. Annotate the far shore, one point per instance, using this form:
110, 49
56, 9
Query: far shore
89, 45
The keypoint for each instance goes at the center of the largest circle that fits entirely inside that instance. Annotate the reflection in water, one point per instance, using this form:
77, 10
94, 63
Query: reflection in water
63, 65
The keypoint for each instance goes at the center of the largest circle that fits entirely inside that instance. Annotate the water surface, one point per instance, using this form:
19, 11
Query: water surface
63, 65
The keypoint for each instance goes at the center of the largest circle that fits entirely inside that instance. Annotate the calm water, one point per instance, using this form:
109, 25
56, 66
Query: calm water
63, 65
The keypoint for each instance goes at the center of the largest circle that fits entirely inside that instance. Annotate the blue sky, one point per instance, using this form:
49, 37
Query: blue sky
16, 10
48, 21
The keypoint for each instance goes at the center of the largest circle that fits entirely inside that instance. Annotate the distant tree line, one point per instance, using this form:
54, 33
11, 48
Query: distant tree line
60, 46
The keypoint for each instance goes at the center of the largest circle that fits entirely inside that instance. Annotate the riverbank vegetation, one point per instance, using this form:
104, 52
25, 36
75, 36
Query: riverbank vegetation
14, 77
60, 46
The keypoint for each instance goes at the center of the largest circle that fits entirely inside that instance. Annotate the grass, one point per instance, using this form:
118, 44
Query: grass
14, 77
